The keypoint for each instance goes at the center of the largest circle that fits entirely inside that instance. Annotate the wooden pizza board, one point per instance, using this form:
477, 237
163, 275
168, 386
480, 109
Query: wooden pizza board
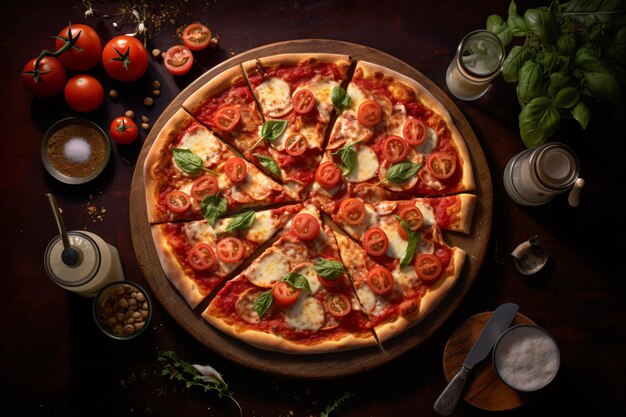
484, 389
330, 365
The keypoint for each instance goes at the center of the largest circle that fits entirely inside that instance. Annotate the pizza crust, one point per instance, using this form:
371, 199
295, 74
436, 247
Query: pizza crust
213, 87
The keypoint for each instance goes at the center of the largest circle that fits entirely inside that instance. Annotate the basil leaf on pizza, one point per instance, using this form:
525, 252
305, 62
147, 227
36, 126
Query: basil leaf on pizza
348, 158
340, 98
298, 281
272, 129
189, 162
328, 268
213, 207
414, 239
263, 303
401, 172
268, 163
242, 221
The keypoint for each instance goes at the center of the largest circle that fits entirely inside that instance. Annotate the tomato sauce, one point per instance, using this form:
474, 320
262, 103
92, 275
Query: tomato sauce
239, 94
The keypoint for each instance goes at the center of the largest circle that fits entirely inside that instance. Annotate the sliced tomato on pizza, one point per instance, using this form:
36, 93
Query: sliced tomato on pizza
190, 174
196, 256
295, 297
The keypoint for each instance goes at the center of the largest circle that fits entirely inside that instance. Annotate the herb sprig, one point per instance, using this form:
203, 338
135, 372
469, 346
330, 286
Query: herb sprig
177, 369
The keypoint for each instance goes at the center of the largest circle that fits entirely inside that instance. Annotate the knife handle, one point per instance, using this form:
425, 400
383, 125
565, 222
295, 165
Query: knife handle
446, 403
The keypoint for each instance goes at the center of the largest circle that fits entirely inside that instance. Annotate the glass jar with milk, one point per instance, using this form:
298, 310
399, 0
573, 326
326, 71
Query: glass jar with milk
478, 60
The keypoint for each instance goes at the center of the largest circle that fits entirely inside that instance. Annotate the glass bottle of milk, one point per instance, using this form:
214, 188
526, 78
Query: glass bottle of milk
478, 60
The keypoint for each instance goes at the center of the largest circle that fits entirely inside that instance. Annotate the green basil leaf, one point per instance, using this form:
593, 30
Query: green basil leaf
589, 61
494, 23
268, 163
530, 81
213, 207
348, 158
329, 269
566, 44
402, 171
263, 303
272, 129
340, 98
188, 161
404, 225
582, 114
296, 280
542, 23
558, 80
514, 61
567, 97
414, 238
604, 86
617, 50
517, 24
538, 120
242, 221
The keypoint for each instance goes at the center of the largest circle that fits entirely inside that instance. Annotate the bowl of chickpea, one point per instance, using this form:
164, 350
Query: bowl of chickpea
122, 310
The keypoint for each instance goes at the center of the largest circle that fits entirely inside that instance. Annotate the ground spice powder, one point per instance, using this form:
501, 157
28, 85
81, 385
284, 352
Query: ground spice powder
57, 150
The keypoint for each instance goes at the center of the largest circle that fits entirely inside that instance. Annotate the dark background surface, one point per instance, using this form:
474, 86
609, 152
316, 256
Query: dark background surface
54, 361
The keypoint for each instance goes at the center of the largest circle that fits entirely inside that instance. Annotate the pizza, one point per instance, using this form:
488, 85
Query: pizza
300, 202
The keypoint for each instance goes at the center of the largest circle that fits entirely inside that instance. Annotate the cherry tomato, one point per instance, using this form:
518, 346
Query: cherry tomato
83, 93
284, 294
50, 79
296, 144
328, 174
178, 59
414, 131
395, 149
441, 165
380, 280
329, 282
204, 186
229, 250
86, 52
375, 241
196, 36
428, 267
305, 226
303, 101
413, 217
236, 169
338, 304
201, 257
177, 201
123, 130
226, 118
352, 211
369, 113
125, 58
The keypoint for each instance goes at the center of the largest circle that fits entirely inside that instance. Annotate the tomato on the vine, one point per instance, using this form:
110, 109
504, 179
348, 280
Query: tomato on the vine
123, 130
125, 58
196, 36
84, 93
49, 80
86, 52
178, 60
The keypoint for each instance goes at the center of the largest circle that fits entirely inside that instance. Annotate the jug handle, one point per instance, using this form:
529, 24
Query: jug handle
574, 195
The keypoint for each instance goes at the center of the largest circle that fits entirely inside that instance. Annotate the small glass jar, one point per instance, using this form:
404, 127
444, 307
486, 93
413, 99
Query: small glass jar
478, 60
97, 264
122, 310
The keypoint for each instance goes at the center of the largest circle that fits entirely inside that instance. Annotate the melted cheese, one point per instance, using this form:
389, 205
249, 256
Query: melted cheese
430, 144
405, 277
358, 231
200, 231
308, 271
263, 227
397, 245
372, 303
274, 95
366, 165
306, 314
321, 89
268, 268
256, 187
357, 95
396, 121
202, 143
427, 212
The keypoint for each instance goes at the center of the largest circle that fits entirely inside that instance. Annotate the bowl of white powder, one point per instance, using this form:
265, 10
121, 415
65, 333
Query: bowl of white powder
75, 150
526, 357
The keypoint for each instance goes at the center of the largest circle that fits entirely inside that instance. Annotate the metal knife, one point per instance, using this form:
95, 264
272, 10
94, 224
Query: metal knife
499, 321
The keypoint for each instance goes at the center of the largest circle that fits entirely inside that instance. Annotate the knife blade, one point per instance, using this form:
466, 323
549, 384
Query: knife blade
499, 321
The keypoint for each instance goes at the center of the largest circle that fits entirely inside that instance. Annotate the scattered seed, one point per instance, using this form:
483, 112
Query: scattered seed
113, 93
130, 114
156, 84
148, 101
156, 93
145, 126
145, 119
156, 53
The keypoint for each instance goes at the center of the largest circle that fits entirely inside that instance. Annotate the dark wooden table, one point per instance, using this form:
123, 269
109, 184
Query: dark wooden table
54, 361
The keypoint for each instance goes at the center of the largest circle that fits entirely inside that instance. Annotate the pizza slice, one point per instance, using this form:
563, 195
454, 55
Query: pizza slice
189, 174
295, 297
393, 140
396, 295
196, 257
294, 94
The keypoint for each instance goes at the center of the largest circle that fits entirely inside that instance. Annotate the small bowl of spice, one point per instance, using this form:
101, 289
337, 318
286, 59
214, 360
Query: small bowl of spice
526, 357
122, 310
75, 150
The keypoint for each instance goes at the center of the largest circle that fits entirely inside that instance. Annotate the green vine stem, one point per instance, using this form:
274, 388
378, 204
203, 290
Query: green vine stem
70, 42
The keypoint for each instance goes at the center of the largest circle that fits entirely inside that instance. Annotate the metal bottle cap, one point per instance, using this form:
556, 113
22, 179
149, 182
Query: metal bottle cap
78, 274
556, 166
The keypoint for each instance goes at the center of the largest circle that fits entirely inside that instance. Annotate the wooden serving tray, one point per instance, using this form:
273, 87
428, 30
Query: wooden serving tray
330, 365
